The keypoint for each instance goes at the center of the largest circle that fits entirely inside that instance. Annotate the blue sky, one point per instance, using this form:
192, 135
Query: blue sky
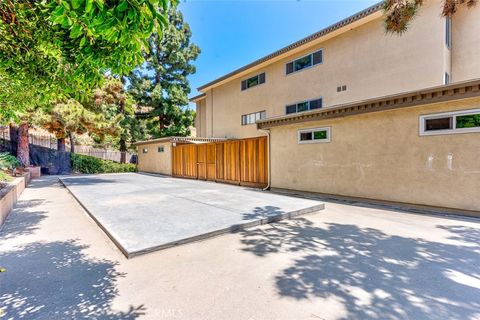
234, 33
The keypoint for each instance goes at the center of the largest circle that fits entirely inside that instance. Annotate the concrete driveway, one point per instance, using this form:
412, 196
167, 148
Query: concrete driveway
143, 213
347, 262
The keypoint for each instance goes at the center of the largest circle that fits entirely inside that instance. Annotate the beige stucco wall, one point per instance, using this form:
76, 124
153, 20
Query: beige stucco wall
466, 44
381, 156
154, 161
201, 118
368, 61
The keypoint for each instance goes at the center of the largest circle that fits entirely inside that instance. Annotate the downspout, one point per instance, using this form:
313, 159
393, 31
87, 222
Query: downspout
267, 132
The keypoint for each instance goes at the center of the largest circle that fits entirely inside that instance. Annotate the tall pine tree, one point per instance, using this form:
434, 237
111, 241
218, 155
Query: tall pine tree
160, 88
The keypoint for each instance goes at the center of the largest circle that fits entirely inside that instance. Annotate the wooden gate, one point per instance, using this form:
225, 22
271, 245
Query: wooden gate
185, 161
206, 161
242, 162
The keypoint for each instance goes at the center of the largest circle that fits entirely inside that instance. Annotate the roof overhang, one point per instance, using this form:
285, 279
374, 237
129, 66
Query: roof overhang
198, 97
360, 18
444, 93
195, 140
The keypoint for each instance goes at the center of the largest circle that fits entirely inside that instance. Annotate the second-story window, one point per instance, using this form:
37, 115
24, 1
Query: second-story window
251, 118
305, 62
304, 106
253, 81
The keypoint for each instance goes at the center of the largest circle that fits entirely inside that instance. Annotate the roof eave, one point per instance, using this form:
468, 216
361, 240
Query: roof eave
438, 94
179, 140
198, 97
345, 23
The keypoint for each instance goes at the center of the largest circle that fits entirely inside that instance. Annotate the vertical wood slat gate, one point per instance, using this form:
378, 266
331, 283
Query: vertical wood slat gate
242, 162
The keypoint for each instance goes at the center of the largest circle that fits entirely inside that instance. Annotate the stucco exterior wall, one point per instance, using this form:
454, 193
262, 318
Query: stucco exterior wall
381, 156
368, 61
154, 161
466, 44
201, 119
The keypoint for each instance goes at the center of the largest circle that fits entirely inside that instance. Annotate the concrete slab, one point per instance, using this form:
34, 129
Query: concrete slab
349, 262
143, 213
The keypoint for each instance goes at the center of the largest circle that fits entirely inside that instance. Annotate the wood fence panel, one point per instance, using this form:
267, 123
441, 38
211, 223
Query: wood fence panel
243, 162
211, 161
202, 161
220, 167
184, 161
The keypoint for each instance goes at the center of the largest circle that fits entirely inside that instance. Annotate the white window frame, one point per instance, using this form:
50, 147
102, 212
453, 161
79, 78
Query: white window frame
306, 68
454, 130
258, 79
303, 101
312, 130
254, 114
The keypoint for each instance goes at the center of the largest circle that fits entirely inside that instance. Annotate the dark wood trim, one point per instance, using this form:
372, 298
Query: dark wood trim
456, 91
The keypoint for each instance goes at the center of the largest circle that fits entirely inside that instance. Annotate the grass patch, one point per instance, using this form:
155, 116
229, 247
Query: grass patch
86, 164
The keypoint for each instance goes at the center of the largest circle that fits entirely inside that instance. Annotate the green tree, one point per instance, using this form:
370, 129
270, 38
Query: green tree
400, 13
118, 107
60, 49
65, 120
161, 88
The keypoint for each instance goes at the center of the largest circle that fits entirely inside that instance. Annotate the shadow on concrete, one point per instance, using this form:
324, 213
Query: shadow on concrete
42, 182
263, 213
84, 181
373, 274
446, 213
24, 220
57, 281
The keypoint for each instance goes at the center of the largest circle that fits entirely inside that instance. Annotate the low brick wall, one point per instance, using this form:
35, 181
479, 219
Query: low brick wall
10, 194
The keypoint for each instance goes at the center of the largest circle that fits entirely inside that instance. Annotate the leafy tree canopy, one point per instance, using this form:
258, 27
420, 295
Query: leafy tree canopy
161, 87
400, 13
59, 49
74, 118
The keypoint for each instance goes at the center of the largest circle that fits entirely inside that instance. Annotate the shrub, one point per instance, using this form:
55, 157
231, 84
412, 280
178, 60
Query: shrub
4, 177
88, 164
7, 161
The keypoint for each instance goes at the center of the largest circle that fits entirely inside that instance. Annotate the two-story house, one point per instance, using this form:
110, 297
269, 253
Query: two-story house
352, 60
354, 111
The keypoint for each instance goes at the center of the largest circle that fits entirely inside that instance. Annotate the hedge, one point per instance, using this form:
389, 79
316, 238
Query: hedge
87, 164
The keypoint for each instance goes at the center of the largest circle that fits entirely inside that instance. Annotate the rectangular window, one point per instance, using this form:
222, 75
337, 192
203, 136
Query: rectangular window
304, 62
314, 135
448, 32
450, 122
253, 117
253, 81
438, 124
161, 149
304, 106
